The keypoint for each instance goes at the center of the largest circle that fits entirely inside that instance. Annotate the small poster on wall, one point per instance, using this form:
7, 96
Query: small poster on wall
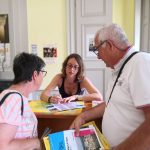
4, 55
4, 42
50, 54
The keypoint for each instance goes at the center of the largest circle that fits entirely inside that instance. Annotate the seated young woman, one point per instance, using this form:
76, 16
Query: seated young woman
71, 83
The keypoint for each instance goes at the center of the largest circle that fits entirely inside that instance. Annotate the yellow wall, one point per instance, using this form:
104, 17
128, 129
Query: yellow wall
123, 14
47, 25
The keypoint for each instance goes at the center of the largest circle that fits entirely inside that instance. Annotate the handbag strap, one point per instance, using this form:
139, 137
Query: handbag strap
6, 95
120, 71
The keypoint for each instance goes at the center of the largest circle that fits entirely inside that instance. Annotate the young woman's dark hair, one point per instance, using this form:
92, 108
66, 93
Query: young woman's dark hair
24, 66
79, 60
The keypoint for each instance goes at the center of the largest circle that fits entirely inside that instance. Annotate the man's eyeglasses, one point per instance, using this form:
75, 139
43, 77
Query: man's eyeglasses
44, 72
94, 49
70, 66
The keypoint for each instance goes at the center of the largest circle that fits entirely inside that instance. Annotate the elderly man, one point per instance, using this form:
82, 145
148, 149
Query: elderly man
126, 111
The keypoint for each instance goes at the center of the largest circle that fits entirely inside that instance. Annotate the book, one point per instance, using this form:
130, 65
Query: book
90, 138
46, 143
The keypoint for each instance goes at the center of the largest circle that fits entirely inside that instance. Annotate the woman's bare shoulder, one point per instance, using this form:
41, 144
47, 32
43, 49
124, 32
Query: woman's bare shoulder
85, 80
59, 78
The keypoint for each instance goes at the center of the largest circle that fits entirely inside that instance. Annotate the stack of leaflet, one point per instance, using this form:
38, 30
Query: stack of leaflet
65, 106
90, 138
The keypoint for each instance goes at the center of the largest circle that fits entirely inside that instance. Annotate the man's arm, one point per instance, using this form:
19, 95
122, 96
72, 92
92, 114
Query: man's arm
88, 115
140, 138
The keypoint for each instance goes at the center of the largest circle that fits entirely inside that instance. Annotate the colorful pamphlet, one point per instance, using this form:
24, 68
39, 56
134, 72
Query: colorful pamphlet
67, 140
90, 138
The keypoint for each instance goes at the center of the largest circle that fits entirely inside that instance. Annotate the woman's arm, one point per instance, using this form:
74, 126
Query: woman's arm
45, 95
7, 141
93, 93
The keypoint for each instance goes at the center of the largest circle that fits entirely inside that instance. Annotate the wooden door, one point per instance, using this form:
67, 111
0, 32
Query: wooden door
85, 18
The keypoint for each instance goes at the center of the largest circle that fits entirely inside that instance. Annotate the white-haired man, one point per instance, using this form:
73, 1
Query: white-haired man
126, 111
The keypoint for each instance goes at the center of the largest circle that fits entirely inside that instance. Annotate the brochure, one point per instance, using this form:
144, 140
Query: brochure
65, 106
67, 140
101, 137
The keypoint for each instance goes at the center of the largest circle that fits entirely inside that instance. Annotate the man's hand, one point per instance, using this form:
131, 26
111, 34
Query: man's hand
77, 123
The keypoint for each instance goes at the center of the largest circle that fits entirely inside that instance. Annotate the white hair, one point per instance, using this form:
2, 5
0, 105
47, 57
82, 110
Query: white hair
114, 33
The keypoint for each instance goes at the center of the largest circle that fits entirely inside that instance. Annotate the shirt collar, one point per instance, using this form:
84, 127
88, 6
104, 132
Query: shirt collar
120, 63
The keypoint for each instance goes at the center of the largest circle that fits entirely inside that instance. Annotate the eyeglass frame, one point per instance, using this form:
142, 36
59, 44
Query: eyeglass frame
44, 71
70, 66
94, 49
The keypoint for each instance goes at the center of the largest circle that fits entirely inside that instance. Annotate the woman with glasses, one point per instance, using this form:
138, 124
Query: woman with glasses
71, 83
18, 124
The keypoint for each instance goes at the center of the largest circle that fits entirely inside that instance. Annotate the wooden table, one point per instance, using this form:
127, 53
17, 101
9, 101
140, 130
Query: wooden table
58, 121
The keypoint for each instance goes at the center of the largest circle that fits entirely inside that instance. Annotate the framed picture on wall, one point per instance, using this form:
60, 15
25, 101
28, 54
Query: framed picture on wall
89, 43
4, 28
4, 42
50, 53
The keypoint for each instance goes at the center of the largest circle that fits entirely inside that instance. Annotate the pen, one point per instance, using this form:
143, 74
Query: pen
46, 132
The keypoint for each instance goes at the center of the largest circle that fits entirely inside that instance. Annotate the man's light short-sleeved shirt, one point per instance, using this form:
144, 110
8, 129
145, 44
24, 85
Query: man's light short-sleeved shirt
132, 91
10, 113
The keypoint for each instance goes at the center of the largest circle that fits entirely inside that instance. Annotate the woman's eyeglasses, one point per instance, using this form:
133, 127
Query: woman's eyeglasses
44, 72
70, 66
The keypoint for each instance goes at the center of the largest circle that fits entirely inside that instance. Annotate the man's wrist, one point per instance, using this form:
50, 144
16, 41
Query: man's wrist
83, 118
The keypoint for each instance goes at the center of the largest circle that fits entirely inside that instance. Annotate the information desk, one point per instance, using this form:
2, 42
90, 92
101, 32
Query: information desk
55, 120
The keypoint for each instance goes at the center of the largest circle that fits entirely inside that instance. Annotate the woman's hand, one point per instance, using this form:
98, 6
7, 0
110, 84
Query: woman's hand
56, 99
70, 98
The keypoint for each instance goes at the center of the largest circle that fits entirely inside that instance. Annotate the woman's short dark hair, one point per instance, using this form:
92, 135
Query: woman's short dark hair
24, 66
79, 60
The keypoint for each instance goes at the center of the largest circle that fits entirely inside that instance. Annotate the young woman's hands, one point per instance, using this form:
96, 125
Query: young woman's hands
56, 99
70, 98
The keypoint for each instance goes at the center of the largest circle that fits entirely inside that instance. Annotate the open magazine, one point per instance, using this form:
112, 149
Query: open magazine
90, 139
